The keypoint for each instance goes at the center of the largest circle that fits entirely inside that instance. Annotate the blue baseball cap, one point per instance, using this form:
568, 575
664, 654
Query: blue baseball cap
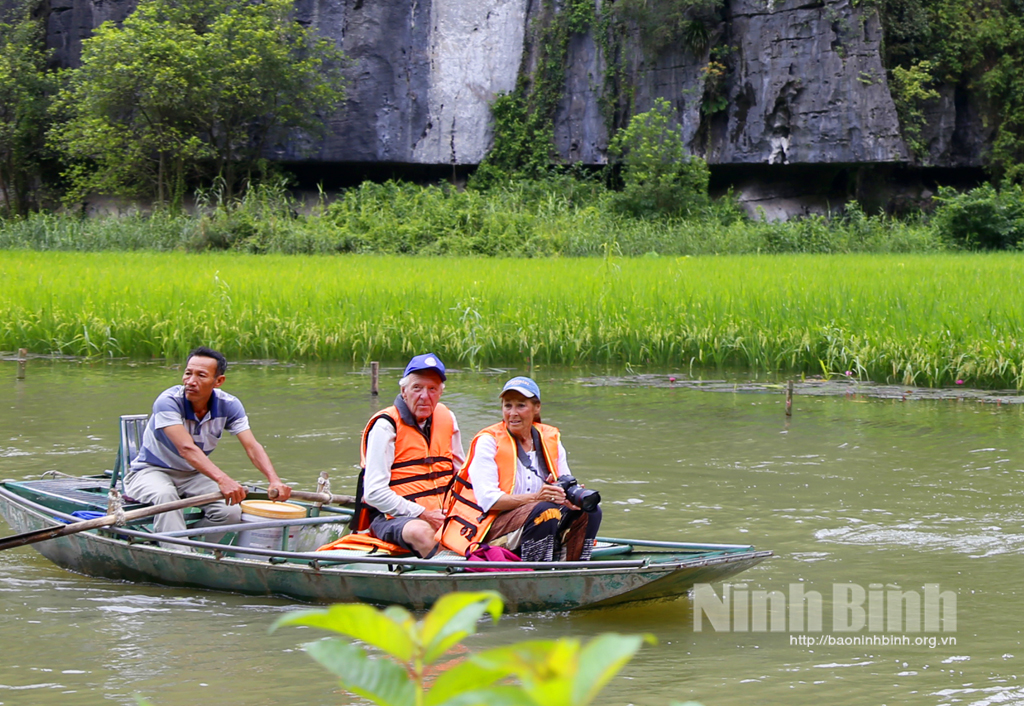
427, 361
524, 386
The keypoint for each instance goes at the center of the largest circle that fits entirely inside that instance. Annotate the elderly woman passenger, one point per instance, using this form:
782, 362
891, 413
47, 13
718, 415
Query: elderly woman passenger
507, 492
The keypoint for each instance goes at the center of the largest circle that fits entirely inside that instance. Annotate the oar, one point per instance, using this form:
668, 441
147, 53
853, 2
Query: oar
39, 535
326, 498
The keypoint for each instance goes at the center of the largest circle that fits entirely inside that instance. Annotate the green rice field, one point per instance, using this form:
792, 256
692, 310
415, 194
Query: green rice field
912, 319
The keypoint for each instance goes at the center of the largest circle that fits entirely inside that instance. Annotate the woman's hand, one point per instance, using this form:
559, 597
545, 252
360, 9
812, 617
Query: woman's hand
550, 493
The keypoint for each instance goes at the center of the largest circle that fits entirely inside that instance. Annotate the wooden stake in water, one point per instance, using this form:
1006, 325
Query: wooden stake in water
789, 399
374, 377
22, 355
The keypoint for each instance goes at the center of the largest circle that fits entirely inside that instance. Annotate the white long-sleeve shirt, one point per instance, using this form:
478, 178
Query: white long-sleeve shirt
380, 454
483, 472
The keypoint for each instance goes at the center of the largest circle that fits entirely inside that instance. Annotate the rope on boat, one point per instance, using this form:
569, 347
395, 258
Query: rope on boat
115, 507
323, 485
55, 474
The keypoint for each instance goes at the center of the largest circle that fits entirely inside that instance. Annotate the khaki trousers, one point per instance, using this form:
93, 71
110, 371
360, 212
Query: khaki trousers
155, 485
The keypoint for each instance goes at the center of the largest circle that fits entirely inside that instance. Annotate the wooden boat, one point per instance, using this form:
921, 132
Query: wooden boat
621, 571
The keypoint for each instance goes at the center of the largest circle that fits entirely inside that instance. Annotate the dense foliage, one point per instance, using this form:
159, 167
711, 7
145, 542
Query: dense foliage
909, 319
559, 215
973, 45
186, 90
983, 218
25, 90
189, 93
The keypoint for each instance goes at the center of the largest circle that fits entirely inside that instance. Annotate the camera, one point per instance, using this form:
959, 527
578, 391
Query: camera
579, 496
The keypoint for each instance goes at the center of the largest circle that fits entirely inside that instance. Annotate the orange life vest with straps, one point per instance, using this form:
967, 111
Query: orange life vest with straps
364, 542
466, 523
423, 468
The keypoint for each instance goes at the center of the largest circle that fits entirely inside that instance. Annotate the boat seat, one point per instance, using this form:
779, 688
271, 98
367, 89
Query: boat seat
132, 428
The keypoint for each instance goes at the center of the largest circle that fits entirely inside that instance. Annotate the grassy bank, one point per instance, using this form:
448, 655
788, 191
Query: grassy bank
913, 319
557, 216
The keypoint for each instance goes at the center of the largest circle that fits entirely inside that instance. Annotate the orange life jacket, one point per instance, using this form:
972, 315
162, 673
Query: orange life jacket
466, 523
422, 470
367, 543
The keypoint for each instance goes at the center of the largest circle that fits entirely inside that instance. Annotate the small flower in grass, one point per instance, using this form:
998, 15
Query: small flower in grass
959, 382
671, 379
848, 373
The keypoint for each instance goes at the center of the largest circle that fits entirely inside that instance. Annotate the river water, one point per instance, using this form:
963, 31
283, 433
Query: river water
852, 495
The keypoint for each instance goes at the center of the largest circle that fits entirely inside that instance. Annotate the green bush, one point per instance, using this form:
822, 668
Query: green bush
983, 218
562, 214
659, 178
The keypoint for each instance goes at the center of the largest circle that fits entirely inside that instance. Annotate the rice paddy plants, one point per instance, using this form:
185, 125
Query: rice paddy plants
912, 319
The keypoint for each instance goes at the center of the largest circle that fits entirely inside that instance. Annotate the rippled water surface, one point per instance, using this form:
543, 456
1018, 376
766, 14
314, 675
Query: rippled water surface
881, 494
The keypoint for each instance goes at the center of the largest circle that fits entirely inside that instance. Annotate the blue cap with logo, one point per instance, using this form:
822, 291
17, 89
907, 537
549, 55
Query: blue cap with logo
523, 385
427, 361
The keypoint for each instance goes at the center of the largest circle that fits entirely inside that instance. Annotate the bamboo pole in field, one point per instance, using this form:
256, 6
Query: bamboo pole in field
374, 377
22, 356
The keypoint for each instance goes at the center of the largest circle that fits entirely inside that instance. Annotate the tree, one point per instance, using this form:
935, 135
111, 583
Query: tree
25, 90
190, 89
659, 178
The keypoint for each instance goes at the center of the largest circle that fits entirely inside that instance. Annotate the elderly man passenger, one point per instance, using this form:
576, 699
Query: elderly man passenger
183, 430
410, 453
507, 494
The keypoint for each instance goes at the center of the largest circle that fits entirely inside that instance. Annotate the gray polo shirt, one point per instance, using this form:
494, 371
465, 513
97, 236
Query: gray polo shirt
170, 408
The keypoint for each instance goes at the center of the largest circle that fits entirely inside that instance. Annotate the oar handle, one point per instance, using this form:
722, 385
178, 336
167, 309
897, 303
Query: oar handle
307, 496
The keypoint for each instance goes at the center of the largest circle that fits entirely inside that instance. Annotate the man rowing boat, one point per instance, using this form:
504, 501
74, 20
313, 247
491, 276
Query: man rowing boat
183, 430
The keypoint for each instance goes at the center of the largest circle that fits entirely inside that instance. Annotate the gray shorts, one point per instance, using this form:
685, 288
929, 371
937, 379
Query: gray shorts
391, 530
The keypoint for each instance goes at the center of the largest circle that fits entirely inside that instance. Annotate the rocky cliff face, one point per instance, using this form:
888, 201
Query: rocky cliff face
805, 84
422, 74
808, 87
68, 22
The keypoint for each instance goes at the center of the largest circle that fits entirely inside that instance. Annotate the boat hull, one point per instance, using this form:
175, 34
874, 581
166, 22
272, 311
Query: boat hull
106, 556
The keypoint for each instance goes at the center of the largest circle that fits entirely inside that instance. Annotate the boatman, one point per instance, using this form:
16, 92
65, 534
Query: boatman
183, 430
410, 453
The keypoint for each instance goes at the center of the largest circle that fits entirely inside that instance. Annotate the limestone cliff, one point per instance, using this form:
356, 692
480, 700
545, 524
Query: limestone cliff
805, 84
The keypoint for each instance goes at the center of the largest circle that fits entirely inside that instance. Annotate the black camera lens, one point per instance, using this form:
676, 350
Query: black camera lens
581, 497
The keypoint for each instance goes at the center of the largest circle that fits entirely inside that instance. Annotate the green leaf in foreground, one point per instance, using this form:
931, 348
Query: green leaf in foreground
379, 680
550, 672
561, 672
453, 618
388, 632
497, 696
600, 660
470, 676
